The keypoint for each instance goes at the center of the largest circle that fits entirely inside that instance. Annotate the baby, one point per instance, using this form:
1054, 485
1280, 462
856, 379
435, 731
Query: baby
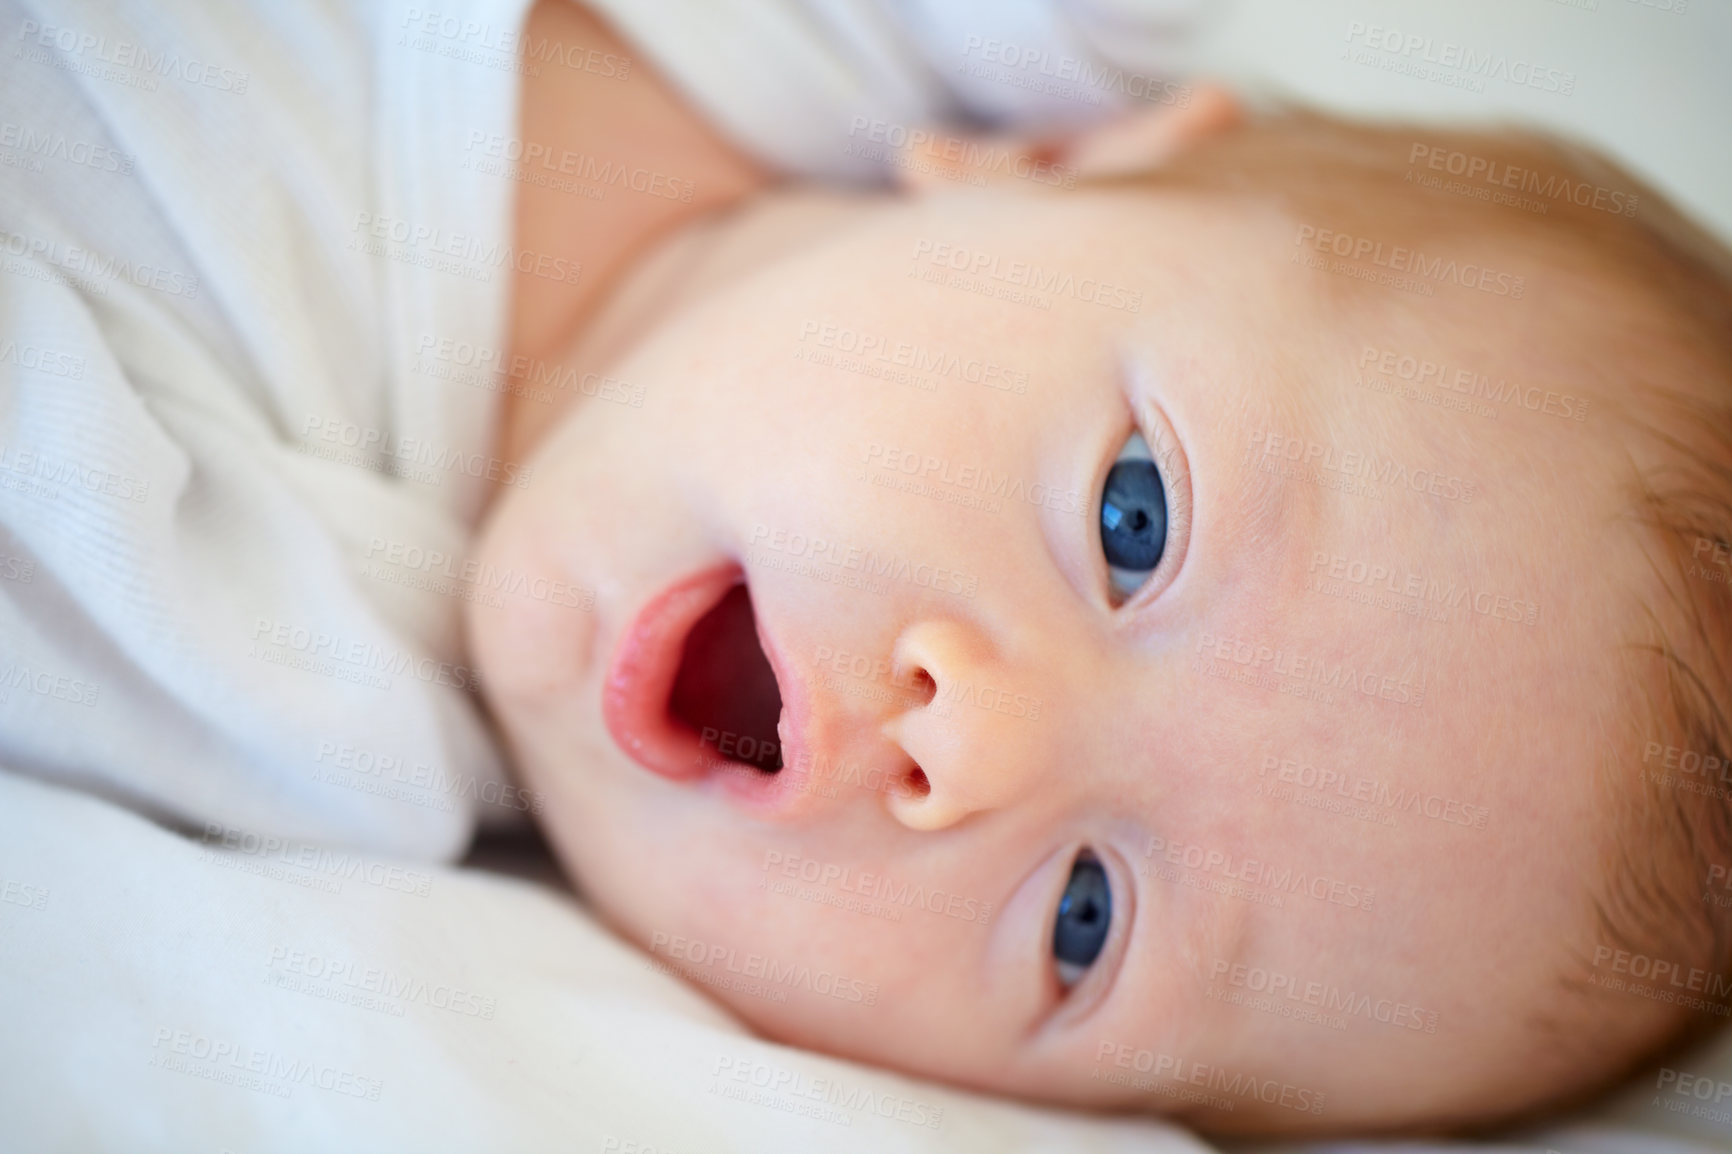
1223, 618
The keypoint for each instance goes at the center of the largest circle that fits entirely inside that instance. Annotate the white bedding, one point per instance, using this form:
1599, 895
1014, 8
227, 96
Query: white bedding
161, 994
165, 993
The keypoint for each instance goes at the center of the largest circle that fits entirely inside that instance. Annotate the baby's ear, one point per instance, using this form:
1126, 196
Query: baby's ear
1134, 141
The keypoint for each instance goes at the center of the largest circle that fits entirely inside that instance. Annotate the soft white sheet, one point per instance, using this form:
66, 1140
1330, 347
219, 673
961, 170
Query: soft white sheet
161, 995
200, 280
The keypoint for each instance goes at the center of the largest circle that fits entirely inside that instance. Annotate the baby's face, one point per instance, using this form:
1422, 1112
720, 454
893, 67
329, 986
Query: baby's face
1244, 777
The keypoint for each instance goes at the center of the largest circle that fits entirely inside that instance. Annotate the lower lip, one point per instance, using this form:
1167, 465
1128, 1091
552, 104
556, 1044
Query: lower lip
641, 678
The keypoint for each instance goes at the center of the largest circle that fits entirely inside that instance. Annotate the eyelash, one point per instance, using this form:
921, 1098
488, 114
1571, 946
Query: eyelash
1164, 450
1079, 1000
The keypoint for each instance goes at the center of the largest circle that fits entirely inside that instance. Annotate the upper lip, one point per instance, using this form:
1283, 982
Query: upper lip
640, 681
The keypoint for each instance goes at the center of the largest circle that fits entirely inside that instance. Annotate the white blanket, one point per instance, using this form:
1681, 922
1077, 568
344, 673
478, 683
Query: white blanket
254, 260
159, 994
215, 233
242, 248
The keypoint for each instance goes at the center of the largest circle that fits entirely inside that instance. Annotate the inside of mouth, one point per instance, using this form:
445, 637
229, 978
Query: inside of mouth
725, 690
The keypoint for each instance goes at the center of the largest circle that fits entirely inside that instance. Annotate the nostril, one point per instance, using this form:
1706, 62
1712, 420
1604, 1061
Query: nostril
923, 686
918, 786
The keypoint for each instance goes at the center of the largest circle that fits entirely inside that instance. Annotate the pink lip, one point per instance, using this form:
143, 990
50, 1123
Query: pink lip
640, 680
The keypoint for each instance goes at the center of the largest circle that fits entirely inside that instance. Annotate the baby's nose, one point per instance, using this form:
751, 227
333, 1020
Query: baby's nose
976, 738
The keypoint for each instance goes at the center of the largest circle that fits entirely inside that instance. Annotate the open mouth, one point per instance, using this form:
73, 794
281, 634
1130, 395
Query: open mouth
725, 690
693, 692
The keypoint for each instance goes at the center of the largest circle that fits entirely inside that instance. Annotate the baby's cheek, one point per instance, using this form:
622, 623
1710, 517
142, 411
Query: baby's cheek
530, 627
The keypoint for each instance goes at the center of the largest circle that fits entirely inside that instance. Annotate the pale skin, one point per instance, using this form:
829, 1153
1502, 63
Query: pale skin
1145, 745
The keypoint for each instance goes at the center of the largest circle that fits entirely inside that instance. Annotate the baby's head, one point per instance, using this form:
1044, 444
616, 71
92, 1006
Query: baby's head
1240, 639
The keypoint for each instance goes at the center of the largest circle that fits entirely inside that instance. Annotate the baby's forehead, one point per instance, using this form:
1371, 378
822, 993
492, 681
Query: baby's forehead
1442, 453
1425, 503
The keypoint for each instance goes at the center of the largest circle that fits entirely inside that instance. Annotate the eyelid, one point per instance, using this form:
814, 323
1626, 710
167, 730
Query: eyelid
1092, 989
1145, 417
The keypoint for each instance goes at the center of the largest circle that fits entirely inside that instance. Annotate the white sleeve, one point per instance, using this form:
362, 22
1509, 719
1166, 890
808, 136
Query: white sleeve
242, 268
814, 87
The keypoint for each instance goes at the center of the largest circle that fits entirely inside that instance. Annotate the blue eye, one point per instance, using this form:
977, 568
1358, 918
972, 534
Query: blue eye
1133, 517
1085, 914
